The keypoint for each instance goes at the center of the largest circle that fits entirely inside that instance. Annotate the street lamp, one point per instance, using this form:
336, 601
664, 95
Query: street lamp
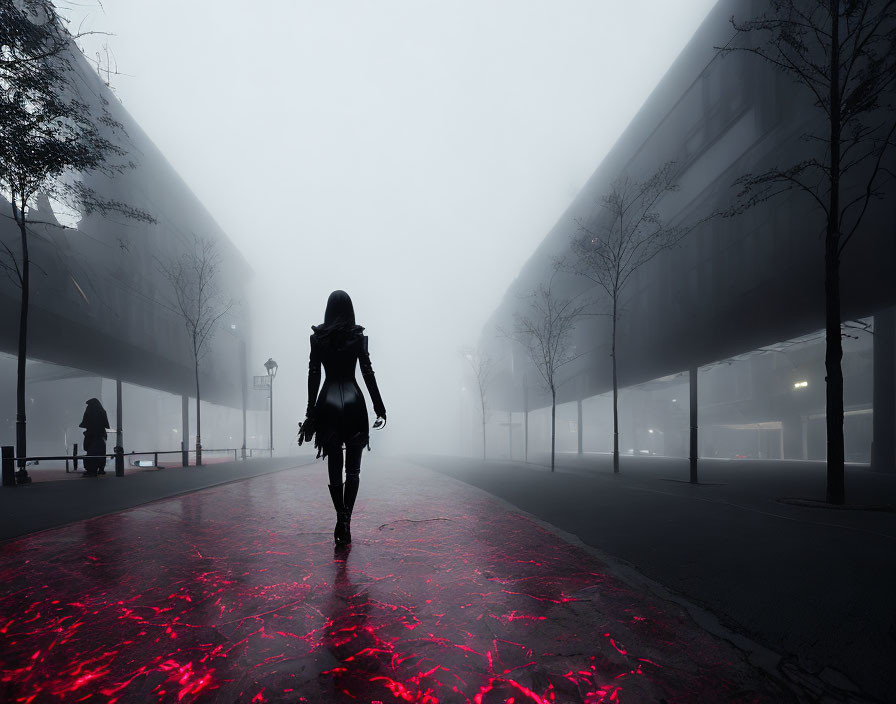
271, 368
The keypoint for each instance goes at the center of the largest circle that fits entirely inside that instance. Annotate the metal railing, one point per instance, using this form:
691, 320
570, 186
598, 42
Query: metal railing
10, 477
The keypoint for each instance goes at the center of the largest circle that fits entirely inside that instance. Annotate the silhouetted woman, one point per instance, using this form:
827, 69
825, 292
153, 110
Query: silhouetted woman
95, 422
339, 413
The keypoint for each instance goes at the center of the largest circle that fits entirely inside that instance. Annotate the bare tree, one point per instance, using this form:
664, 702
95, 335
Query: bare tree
545, 333
50, 135
625, 234
842, 54
199, 302
483, 367
30, 32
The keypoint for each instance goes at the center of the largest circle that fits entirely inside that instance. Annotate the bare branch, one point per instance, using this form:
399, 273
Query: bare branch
196, 296
545, 332
869, 192
630, 234
797, 40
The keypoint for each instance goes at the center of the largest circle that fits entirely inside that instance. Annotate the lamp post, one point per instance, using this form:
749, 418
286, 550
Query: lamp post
271, 368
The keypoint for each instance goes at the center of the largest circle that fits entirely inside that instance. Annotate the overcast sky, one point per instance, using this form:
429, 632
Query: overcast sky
413, 153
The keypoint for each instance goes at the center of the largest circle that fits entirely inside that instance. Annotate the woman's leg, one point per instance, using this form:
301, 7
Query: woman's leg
334, 464
334, 469
353, 462
352, 479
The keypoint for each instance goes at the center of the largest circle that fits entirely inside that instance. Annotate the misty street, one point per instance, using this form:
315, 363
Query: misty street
479, 352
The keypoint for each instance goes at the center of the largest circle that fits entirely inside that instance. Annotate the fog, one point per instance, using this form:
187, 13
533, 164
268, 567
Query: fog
411, 153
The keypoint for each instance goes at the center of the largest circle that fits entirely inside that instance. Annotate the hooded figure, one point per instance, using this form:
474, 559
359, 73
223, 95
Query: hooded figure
95, 422
339, 411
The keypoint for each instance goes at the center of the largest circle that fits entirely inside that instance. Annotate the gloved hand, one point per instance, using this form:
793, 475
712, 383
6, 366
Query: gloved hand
306, 430
380, 422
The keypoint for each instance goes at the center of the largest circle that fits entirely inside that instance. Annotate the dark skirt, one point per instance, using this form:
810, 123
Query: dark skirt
340, 416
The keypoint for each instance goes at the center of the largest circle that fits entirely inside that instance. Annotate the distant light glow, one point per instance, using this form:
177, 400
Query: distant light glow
800, 384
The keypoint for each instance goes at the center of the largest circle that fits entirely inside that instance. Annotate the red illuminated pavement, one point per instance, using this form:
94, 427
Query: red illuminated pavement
235, 594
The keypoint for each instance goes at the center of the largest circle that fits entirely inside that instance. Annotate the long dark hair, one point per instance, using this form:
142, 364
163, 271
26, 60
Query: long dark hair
339, 317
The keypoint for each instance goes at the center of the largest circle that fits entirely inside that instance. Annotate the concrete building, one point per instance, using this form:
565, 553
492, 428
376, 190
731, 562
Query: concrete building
741, 298
101, 309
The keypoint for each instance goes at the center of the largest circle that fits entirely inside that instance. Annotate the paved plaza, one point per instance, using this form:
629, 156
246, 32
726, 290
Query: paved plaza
751, 547
234, 593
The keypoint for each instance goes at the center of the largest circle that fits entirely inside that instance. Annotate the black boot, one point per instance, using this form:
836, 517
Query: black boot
351, 492
339, 505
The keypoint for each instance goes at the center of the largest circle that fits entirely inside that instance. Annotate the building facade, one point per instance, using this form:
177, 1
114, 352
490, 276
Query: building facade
735, 287
101, 306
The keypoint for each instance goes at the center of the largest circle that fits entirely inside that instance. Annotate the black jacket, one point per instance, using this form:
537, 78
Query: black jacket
339, 410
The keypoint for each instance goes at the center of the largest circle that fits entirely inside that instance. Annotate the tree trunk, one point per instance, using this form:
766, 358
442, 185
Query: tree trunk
119, 432
579, 430
198, 417
692, 394
836, 493
553, 425
244, 373
483, 433
21, 435
526, 424
510, 435
615, 397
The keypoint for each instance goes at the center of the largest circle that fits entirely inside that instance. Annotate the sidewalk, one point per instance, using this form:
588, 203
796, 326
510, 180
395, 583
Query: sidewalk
56, 471
235, 594
58, 498
816, 585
